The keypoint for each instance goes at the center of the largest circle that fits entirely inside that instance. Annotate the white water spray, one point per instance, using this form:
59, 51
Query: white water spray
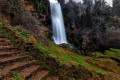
59, 35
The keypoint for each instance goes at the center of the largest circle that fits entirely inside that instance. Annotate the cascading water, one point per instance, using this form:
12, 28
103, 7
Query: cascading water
59, 35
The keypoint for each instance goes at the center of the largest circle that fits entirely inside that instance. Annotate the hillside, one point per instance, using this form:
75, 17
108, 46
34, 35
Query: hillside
27, 51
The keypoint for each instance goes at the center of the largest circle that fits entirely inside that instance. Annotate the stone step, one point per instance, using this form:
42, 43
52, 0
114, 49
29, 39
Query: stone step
9, 54
5, 43
15, 67
7, 46
53, 78
8, 49
4, 40
40, 75
1, 36
29, 71
12, 59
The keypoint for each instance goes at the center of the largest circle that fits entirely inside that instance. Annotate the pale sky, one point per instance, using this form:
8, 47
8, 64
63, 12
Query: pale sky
109, 2
53, 1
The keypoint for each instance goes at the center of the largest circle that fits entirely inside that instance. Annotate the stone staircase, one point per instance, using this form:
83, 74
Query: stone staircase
14, 61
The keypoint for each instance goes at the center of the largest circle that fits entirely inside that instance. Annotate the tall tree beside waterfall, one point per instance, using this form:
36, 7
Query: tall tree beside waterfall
116, 7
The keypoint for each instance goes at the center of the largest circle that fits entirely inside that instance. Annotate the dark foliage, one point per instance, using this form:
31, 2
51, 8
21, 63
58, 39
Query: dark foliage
39, 5
116, 7
18, 15
92, 26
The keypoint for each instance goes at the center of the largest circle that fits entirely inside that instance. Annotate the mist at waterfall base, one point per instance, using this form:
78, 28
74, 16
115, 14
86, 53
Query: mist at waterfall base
59, 35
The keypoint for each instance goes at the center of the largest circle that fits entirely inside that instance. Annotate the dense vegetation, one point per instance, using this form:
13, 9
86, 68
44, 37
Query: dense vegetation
18, 15
40, 6
94, 26
93, 29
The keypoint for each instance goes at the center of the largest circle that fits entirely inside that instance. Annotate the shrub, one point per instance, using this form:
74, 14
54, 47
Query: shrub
39, 5
18, 15
21, 32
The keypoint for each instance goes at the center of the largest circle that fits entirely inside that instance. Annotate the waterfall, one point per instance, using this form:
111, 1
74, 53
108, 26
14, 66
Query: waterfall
59, 35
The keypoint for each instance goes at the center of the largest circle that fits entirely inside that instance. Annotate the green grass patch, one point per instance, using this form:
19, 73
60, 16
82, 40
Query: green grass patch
94, 54
98, 70
98, 53
117, 51
4, 31
81, 62
66, 56
1, 26
53, 52
21, 32
112, 53
109, 53
17, 76
58, 52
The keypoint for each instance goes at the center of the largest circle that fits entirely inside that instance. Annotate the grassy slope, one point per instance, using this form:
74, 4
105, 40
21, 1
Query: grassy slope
63, 55
113, 53
109, 60
68, 56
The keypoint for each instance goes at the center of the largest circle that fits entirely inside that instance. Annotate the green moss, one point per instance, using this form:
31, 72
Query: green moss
81, 62
66, 56
117, 51
98, 53
1, 27
109, 53
71, 78
46, 49
58, 52
112, 53
21, 32
4, 31
17, 76
95, 54
89, 66
64, 46
99, 70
